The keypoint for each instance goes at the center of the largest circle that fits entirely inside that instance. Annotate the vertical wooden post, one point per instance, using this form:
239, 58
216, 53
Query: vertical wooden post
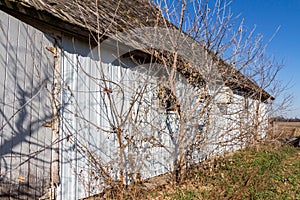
56, 92
55, 121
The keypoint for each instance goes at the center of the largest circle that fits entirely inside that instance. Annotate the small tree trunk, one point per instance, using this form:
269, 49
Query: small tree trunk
121, 184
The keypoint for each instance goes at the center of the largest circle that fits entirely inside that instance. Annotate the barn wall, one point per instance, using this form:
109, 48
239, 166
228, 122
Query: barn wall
233, 122
79, 118
25, 85
97, 95
100, 94
90, 151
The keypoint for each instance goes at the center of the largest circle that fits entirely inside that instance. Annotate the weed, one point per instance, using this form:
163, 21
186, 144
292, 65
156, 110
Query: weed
267, 173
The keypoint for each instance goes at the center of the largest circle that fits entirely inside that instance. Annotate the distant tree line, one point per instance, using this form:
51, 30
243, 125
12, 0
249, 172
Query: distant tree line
283, 119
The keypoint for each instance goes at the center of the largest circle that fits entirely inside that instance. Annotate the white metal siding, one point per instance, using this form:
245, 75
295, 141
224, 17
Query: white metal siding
87, 117
86, 121
25, 82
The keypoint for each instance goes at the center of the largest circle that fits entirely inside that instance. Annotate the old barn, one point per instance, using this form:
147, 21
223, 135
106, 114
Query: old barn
82, 104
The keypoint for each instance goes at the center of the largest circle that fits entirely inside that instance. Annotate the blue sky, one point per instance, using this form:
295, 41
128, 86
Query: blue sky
268, 15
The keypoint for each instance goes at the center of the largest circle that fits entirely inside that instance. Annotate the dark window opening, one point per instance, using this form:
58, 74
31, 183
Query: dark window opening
167, 98
246, 103
223, 108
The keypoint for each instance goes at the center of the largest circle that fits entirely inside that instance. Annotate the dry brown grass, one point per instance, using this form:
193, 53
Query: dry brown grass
267, 173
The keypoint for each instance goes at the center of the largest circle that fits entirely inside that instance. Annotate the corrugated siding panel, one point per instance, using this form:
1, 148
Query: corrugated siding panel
90, 142
87, 118
77, 108
25, 82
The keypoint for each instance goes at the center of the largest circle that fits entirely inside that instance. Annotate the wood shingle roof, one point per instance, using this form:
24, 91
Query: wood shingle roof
108, 17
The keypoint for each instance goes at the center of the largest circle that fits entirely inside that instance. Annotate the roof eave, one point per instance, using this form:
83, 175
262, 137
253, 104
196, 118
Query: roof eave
43, 20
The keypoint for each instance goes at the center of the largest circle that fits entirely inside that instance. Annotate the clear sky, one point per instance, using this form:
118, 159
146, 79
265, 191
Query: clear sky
268, 15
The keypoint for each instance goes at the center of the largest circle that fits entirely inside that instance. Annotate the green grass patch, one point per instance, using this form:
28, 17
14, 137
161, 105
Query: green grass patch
267, 173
